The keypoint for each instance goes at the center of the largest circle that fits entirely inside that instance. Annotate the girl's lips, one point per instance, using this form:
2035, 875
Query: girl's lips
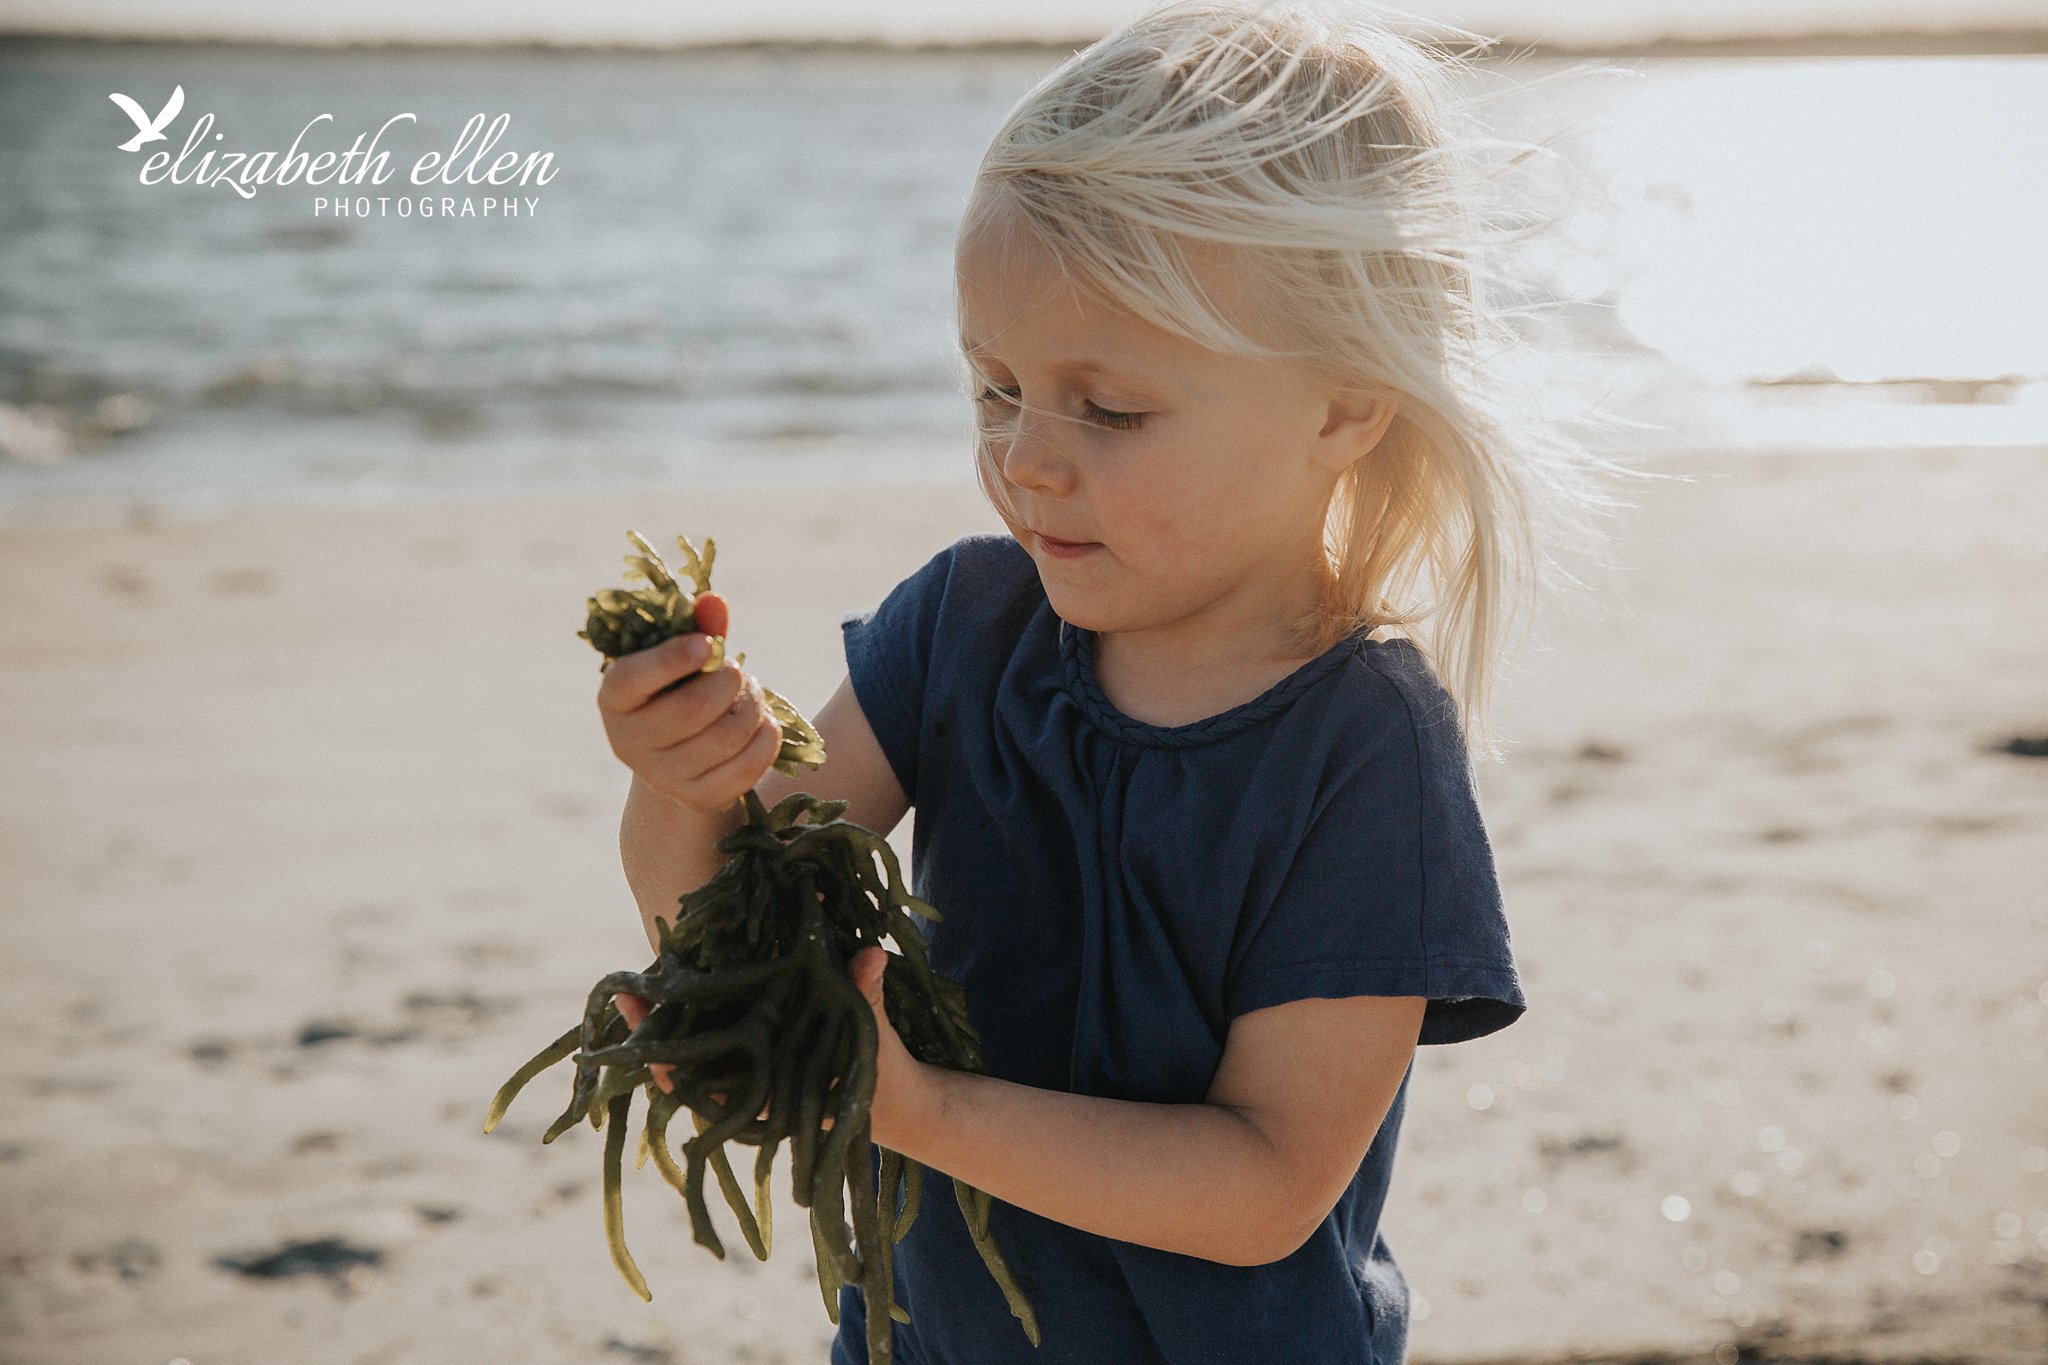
1066, 549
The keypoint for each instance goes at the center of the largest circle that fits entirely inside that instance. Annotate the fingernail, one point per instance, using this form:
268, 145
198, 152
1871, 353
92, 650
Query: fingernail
696, 649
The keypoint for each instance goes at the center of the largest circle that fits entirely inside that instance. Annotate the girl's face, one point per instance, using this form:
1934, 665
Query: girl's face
1163, 489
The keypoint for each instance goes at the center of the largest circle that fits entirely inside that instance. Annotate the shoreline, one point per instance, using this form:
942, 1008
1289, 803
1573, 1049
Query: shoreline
822, 470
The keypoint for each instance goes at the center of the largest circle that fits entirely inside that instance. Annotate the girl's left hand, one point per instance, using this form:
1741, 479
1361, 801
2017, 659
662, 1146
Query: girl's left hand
902, 1083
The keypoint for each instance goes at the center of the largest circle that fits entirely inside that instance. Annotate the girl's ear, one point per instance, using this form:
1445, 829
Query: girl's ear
1354, 423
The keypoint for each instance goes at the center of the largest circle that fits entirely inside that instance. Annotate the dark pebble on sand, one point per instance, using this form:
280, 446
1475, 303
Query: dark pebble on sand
327, 1031
1585, 1144
321, 1031
329, 1256
1814, 1242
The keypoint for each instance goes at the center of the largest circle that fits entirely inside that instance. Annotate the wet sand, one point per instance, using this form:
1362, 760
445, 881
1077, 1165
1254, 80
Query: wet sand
308, 841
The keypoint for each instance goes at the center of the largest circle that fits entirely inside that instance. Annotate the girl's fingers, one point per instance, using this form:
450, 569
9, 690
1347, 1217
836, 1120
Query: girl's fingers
633, 1009
729, 781
716, 719
715, 766
711, 613
655, 735
866, 969
722, 785
635, 679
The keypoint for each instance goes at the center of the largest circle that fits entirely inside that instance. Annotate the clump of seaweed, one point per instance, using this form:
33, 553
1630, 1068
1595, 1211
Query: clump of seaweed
751, 1005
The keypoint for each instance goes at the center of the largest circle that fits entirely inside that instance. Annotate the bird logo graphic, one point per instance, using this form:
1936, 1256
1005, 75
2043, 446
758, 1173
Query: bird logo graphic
149, 129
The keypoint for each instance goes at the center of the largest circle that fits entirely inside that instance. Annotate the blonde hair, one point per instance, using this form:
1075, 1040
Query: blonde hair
1323, 152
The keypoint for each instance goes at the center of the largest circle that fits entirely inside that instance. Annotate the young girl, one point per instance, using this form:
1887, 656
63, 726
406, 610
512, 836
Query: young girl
1195, 806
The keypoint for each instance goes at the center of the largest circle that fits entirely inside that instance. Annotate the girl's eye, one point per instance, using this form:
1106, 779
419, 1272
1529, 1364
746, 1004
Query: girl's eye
1120, 421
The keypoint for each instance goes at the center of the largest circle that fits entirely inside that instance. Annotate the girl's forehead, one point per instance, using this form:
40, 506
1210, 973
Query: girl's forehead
994, 261
1007, 284
1064, 330
1007, 278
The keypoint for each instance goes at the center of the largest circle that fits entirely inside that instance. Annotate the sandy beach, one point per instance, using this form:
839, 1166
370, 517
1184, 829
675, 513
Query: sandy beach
309, 840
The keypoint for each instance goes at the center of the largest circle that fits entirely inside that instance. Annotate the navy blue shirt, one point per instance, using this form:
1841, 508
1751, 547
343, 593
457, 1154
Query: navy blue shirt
1115, 893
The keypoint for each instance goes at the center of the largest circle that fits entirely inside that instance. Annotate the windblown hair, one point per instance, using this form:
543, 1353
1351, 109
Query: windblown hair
1326, 157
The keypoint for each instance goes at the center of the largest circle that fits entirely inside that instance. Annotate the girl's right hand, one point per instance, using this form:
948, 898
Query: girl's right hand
701, 739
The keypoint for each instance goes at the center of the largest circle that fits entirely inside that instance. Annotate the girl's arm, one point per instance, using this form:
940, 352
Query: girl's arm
666, 849
1242, 1178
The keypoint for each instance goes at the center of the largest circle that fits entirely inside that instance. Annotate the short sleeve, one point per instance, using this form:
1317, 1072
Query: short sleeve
1391, 890
888, 658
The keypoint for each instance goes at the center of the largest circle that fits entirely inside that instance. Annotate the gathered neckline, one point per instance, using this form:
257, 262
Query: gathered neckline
1077, 652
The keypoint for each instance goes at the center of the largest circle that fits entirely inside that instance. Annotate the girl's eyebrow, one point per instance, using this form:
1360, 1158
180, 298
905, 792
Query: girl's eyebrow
1074, 365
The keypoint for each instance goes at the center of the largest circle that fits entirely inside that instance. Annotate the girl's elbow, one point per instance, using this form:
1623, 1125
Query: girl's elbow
1285, 1245
1257, 1242
1270, 1216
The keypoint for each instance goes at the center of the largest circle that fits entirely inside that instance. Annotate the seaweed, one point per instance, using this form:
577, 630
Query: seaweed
751, 1005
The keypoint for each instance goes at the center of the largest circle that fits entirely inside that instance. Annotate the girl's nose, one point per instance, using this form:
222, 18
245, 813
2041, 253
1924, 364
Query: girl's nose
1030, 454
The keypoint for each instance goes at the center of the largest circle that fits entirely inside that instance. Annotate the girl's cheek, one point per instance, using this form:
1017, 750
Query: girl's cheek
1160, 531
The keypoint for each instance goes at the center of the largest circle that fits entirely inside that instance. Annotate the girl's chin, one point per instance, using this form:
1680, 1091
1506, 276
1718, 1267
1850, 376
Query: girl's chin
1077, 609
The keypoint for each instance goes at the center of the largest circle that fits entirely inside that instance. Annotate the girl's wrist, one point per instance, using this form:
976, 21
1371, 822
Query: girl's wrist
915, 1109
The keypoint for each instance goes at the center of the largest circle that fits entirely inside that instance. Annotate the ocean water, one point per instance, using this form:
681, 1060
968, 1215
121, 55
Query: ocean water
739, 269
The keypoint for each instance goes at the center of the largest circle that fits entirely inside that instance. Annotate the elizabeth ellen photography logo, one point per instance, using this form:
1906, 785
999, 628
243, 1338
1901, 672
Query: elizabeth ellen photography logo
247, 172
